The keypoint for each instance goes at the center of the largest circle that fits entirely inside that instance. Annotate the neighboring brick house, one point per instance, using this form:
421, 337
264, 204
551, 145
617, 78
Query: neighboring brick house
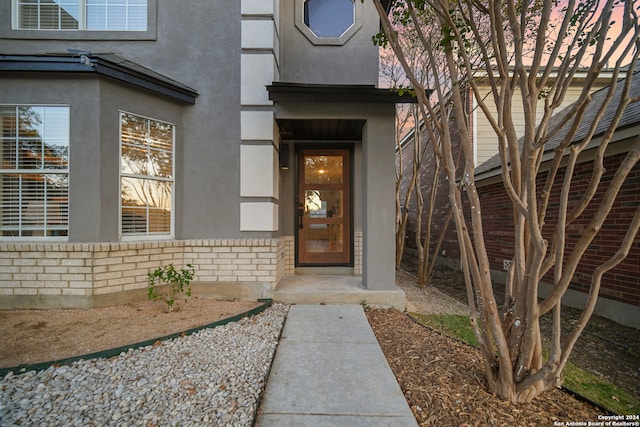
620, 293
247, 138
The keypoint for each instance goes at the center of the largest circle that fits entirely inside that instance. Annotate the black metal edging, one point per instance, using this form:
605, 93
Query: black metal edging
105, 354
562, 387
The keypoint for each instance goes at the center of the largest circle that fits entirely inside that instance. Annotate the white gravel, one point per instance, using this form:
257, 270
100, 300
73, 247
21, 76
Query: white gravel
213, 377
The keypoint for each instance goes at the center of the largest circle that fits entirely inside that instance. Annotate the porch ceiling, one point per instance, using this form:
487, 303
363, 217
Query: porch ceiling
321, 129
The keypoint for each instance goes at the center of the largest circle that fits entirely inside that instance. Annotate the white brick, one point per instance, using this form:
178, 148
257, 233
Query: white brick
22, 276
108, 261
31, 255
72, 262
56, 254
80, 284
108, 276
107, 290
49, 291
55, 270
25, 291
24, 261
75, 292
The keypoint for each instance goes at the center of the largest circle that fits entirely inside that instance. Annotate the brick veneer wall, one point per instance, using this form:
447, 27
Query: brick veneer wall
442, 205
89, 269
620, 284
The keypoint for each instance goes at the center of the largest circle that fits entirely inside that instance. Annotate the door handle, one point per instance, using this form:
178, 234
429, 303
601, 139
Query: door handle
300, 216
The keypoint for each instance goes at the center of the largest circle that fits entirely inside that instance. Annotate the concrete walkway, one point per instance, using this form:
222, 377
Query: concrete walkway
330, 371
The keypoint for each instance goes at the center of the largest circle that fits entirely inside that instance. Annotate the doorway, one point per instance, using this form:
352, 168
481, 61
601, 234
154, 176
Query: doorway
324, 208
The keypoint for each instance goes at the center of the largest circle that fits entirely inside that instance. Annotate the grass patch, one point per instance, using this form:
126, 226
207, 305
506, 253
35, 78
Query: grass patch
576, 379
452, 325
589, 385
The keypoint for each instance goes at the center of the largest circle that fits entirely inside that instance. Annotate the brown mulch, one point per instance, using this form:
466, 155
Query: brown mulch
444, 384
606, 348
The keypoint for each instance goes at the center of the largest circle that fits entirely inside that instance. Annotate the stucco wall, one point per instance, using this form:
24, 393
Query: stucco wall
196, 43
355, 62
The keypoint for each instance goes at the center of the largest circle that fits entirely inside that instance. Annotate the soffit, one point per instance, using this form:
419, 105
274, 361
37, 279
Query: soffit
320, 129
301, 92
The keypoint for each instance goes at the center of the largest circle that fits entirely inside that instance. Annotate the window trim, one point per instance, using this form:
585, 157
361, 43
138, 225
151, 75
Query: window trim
8, 12
66, 171
146, 237
328, 41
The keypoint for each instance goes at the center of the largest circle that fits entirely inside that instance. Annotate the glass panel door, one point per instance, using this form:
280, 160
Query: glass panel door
324, 217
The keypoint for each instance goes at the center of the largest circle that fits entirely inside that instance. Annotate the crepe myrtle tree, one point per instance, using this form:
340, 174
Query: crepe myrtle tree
417, 191
529, 55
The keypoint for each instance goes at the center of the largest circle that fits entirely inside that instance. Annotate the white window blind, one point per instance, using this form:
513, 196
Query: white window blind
146, 176
34, 173
93, 15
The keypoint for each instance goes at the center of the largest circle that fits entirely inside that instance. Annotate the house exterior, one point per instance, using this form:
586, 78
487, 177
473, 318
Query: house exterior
246, 138
485, 146
620, 292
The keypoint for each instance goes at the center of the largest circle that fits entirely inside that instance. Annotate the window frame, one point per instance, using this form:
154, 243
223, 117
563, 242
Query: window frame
9, 30
20, 172
358, 16
144, 237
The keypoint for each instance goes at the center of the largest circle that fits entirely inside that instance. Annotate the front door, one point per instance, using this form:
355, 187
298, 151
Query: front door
324, 207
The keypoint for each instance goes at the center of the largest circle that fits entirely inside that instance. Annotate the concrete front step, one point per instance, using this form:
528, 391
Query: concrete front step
334, 289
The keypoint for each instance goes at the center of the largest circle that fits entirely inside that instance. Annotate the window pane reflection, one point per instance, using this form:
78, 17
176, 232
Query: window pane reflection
323, 203
146, 206
323, 169
146, 175
324, 238
34, 182
329, 18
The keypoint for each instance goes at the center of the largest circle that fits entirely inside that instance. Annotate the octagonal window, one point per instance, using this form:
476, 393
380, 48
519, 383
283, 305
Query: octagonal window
329, 18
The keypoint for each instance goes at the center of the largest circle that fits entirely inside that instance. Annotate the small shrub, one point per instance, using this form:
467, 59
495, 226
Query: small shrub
173, 282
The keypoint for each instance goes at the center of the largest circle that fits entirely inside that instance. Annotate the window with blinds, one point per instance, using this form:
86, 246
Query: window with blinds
34, 174
146, 176
93, 15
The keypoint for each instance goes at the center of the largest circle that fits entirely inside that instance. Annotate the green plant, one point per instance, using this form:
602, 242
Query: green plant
172, 283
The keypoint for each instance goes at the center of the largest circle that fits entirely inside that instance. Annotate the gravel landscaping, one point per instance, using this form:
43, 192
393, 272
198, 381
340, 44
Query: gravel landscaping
214, 377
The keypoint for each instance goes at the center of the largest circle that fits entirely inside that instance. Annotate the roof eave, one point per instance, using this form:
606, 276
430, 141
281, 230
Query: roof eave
88, 64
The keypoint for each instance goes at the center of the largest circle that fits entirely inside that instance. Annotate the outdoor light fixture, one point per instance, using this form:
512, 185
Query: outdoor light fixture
284, 157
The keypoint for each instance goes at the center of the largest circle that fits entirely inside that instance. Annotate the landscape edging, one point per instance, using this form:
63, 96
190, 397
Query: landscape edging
105, 354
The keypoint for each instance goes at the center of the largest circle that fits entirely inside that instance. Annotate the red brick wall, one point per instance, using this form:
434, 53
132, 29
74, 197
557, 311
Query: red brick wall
442, 205
621, 283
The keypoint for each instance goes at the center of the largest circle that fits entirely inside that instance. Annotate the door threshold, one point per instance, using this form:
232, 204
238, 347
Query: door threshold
331, 270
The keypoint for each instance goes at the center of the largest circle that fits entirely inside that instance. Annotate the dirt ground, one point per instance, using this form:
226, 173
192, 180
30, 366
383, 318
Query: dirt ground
440, 377
605, 348
444, 383
34, 336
